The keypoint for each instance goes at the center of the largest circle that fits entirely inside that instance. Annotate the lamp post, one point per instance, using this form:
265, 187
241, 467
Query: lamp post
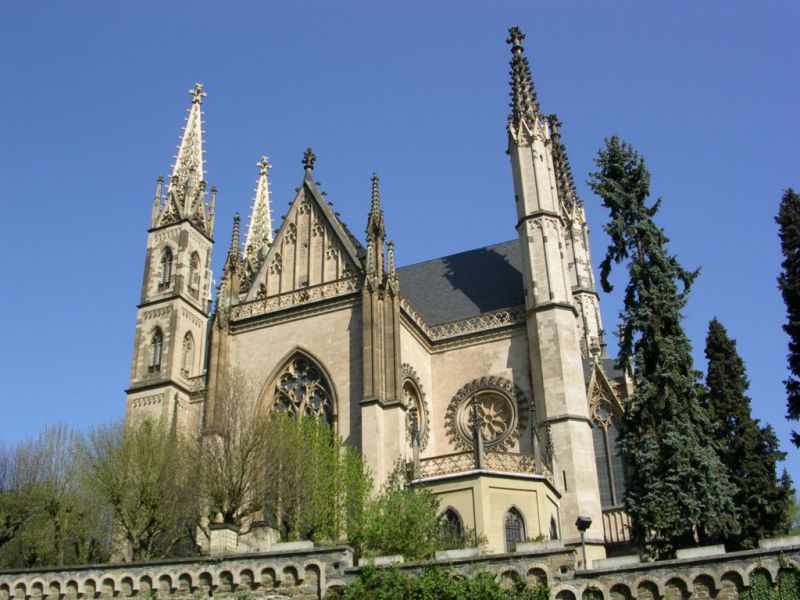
583, 523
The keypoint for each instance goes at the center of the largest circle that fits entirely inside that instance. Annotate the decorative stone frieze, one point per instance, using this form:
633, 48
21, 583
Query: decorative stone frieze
315, 293
157, 313
147, 401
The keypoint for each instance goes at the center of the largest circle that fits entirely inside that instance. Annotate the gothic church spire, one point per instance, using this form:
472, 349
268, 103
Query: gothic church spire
188, 167
524, 105
259, 230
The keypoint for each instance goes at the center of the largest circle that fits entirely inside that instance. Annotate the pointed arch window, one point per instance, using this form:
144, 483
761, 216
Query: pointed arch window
156, 347
451, 523
553, 529
194, 275
166, 269
514, 528
302, 389
187, 355
611, 474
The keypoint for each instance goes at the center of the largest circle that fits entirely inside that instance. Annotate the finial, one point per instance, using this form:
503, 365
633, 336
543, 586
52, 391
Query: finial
515, 37
523, 97
197, 93
263, 165
376, 193
308, 159
235, 237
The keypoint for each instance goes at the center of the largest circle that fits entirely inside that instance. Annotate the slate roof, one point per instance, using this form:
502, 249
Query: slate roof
465, 284
609, 366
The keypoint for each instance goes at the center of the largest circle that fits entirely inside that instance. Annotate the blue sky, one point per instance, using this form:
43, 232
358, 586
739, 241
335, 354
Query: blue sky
93, 97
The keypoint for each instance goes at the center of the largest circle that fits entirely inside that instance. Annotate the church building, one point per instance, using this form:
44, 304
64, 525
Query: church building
485, 369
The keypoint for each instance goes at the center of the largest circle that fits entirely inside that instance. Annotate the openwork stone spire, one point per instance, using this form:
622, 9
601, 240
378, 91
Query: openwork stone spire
188, 167
375, 227
259, 230
524, 105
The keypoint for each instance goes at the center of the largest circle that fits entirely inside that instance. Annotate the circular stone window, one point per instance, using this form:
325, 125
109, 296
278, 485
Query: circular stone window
501, 408
414, 399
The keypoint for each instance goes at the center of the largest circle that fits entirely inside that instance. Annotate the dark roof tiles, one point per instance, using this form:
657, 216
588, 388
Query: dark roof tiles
465, 284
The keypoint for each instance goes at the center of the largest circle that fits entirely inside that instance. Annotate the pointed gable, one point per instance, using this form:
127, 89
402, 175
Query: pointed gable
311, 248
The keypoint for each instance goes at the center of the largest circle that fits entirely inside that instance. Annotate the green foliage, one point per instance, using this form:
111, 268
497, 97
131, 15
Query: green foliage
788, 220
748, 451
678, 493
316, 487
760, 588
402, 519
46, 518
434, 584
147, 476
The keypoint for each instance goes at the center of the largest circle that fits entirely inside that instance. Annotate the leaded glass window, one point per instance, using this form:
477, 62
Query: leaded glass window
194, 274
187, 358
451, 523
301, 389
515, 528
156, 346
166, 269
611, 475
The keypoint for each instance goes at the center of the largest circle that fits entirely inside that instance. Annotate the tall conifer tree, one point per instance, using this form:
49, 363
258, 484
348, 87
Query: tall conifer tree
788, 220
678, 493
748, 451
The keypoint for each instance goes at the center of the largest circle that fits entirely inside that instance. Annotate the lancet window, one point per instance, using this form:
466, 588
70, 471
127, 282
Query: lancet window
301, 389
194, 274
610, 466
514, 527
156, 346
166, 269
187, 355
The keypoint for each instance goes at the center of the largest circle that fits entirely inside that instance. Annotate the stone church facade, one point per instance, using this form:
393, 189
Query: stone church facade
403, 361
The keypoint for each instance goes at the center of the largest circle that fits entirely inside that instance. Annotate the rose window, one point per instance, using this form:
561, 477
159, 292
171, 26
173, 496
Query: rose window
502, 409
497, 417
302, 390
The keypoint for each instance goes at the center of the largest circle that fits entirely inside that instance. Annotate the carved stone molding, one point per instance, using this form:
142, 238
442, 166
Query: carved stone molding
298, 297
191, 317
414, 396
503, 409
157, 313
147, 400
168, 234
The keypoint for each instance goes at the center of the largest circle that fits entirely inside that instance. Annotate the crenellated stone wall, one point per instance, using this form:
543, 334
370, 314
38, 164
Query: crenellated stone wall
311, 573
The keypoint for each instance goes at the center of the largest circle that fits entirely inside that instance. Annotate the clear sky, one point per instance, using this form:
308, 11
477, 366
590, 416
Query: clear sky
93, 97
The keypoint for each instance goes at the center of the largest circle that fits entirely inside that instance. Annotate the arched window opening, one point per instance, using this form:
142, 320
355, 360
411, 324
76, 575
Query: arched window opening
451, 524
301, 389
166, 269
553, 529
187, 356
194, 275
611, 474
515, 528
156, 345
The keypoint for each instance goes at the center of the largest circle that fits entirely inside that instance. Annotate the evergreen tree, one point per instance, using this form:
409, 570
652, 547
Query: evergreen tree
678, 494
788, 220
748, 451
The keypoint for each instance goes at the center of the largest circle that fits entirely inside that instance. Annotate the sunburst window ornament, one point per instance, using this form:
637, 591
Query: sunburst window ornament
502, 408
416, 407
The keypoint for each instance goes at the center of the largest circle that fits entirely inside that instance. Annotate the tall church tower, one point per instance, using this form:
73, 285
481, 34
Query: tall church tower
172, 316
554, 332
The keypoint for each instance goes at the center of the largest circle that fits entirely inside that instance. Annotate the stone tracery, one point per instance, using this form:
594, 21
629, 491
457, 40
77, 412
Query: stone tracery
414, 399
301, 389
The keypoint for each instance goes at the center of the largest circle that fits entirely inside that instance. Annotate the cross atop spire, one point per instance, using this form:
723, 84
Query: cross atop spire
524, 105
197, 93
259, 230
308, 160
